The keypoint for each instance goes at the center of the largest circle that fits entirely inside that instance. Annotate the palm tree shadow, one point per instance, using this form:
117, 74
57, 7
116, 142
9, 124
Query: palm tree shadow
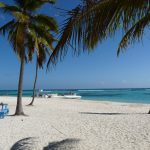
94, 113
66, 144
24, 144
13, 115
30, 142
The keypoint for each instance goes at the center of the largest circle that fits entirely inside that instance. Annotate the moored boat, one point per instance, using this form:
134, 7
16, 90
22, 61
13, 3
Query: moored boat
67, 96
55, 96
72, 96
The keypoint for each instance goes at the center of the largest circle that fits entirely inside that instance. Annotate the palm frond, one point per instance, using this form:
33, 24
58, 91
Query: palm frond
33, 5
20, 3
42, 55
94, 20
2, 4
30, 46
135, 33
42, 32
21, 17
46, 21
10, 9
47, 43
17, 39
8, 26
45, 40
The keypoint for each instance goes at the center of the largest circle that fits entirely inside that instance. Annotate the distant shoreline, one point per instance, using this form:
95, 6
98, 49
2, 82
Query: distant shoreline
82, 100
126, 95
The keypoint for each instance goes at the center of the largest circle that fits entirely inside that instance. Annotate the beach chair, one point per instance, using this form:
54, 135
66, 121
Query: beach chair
2, 115
4, 110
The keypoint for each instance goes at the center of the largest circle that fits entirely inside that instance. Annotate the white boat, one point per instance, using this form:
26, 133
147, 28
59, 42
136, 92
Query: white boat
67, 96
72, 96
55, 96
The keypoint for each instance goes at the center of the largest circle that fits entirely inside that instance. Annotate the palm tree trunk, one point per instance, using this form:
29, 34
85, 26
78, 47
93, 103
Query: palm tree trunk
36, 76
19, 108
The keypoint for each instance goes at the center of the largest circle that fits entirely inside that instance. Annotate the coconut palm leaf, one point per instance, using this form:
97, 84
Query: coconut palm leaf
94, 20
5, 28
10, 9
30, 46
16, 37
40, 41
135, 33
2, 4
46, 21
34, 5
21, 17
42, 54
42, 32
20, 3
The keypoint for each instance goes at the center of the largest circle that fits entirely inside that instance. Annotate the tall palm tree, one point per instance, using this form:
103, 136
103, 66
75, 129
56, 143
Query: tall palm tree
34, 86
24, 20
93, 21
43, 49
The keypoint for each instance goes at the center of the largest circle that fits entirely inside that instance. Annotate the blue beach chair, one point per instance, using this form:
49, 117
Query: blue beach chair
4, 110
2, 115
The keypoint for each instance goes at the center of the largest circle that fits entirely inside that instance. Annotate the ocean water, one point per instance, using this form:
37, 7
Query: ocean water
116, 95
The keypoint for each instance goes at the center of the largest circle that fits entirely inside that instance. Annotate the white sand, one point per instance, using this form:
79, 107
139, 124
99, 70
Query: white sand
59, 124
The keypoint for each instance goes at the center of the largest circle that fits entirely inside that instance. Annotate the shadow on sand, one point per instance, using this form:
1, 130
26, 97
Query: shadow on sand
24, 144
94, 113
29, 143
66, 144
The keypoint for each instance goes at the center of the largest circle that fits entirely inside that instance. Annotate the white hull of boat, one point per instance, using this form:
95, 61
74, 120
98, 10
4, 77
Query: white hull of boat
65, 96
72, 96
55, 96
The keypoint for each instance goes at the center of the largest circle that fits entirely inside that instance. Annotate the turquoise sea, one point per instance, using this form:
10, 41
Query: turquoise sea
130, 95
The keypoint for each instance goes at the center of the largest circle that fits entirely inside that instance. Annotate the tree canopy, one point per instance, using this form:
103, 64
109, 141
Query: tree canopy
93, 21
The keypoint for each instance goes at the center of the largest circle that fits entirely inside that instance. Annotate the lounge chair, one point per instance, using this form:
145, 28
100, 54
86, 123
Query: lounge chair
4, 110
2, 115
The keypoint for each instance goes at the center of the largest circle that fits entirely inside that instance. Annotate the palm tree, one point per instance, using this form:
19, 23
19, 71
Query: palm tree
25, 20
34, 86
42, 49
93, 21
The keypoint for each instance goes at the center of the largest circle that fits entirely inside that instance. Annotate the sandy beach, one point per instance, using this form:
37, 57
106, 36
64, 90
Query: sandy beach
63, 124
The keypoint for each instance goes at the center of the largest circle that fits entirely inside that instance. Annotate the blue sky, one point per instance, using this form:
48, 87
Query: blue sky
99, 69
